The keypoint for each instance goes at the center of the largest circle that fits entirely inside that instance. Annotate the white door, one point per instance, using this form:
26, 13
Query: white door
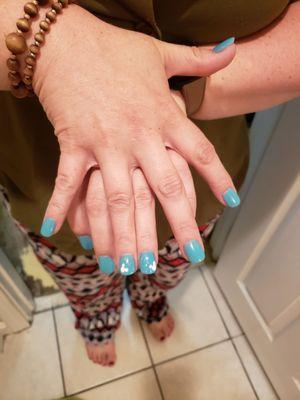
16, 302
259, 266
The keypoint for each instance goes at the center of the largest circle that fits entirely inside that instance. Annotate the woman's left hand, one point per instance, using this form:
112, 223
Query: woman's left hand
89, 217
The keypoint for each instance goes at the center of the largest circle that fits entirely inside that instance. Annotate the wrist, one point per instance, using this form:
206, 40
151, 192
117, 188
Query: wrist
64, 33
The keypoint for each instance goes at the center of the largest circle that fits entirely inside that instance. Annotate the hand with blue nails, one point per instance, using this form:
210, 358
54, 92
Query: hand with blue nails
109, 101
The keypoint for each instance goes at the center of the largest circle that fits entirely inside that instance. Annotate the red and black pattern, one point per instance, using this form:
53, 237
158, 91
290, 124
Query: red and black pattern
96, 298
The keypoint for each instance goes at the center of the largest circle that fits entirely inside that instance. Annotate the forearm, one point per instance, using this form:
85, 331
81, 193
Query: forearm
264, 73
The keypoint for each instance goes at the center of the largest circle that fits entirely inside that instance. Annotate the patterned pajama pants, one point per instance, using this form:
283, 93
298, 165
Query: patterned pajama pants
96, 298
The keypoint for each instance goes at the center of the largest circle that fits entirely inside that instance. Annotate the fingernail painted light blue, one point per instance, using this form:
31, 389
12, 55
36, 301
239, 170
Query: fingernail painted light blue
231, 198
48, 227
127, 265
194, 251
106, 264
223, 45
86, 242
147, 263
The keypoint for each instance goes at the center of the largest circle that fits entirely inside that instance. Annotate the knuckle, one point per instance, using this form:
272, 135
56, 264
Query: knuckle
146, 237
64, 182
123, 239
205, 153
170, 186
143, 198
186, 227
95, 205
197, 52
119, 201
57, 206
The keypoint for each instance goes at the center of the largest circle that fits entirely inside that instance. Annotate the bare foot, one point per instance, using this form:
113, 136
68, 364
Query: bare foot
162, 329
104, 355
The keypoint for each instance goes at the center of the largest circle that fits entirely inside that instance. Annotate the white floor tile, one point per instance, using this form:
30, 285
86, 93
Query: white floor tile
210, 374
198, 323
256, 374
229, 319
141, 386
29, 366
50, 301
80, 373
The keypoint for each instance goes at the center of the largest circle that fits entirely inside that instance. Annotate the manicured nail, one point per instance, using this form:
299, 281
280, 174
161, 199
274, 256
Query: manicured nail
223, 45
106, 264
147, 263
48, 227
194, 251
127, 265
86, 242
231, 198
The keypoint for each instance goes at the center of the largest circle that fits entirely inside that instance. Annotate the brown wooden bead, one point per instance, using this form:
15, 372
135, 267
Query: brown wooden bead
64, 2
15, 78
27, 80
57, 6
16, 43
23, 24
20, 92
27, 16
39, 37
34, 49
28, 71
30, 61
51, 15
31, 9
13, 64
44, 25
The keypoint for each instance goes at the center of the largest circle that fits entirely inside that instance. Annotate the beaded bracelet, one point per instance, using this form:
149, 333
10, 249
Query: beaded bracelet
16, 44
39, 38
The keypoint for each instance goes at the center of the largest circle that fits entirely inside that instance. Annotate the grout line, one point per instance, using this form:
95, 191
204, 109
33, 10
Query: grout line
223, 296
240, 334
151, 359
110, 381
192, 352
245, 370
227, 330
215, 303
51, 308
59, 354
261, 366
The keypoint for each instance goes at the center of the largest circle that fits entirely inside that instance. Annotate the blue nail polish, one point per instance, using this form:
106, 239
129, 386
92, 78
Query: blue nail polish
127, 265
147, 263
86, 242
48, 227
223, 45
106, 264
231, 198
194, 251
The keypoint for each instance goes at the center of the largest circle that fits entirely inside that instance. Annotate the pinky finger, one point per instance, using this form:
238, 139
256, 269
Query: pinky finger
70, 175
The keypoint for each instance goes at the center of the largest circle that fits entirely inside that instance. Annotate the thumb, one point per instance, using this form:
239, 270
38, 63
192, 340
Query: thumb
196, 61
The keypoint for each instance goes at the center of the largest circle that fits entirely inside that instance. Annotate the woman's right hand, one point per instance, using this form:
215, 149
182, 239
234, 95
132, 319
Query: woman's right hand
105, 90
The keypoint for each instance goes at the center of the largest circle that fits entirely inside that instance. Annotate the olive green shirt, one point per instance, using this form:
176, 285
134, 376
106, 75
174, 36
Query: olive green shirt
29, 151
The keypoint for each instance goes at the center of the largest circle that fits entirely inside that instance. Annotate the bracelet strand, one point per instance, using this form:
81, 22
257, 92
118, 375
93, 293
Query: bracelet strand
39, 39
16, 43
21, 86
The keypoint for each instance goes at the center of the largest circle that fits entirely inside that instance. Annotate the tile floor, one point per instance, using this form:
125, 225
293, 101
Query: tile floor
207, 358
